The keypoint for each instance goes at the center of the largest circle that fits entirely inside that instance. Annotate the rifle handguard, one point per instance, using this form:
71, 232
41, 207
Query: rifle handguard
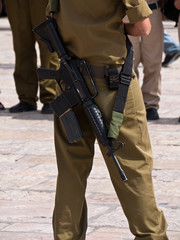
95, 118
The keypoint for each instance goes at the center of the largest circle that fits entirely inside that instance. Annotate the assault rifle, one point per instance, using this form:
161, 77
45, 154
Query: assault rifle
76, 92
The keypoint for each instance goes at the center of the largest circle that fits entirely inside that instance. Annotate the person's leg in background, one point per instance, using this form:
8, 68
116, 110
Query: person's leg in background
2, 106
49, 60
179, 37
23, 17
150, 49
171, 50
179, 28
25, 75
1, 9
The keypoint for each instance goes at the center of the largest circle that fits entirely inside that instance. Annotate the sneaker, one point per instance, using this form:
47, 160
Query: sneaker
2, 106
152, 114
170, 58
22, 107
47, 109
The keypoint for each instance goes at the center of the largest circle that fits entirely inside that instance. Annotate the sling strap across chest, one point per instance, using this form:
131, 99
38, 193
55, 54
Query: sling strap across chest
121, 96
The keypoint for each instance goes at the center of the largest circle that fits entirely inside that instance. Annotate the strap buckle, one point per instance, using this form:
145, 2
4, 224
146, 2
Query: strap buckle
125, 79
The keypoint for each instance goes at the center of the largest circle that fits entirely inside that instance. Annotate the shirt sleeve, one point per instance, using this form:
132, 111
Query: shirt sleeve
136, 10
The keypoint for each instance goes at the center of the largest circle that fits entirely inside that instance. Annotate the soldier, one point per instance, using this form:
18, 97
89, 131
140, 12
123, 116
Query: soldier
94, 30
23, 17
148, 51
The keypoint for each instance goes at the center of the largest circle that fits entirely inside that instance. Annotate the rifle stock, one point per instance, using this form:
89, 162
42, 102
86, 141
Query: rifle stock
44, 73
48, 34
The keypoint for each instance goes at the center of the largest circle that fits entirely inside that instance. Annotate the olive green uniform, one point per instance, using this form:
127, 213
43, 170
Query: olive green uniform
23, 16
93, 30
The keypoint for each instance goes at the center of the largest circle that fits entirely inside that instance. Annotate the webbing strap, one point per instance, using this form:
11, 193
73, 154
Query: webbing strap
125, 79
121, 96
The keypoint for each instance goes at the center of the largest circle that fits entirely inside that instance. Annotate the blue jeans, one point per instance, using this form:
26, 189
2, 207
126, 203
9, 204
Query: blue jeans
170, 45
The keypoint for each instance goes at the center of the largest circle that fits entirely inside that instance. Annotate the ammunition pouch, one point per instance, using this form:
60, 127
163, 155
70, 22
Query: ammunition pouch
112, 77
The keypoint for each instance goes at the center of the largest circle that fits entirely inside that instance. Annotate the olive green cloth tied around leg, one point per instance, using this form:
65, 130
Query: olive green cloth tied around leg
115, 124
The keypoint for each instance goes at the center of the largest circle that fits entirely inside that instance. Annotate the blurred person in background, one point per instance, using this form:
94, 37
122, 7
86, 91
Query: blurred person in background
23, 17
1, 10
177, 5
148, 50
171, 50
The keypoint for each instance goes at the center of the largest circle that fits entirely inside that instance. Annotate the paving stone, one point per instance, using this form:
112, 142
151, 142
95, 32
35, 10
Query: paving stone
25, 236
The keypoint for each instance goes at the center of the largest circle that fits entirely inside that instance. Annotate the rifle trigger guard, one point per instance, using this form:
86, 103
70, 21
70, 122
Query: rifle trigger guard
114, 148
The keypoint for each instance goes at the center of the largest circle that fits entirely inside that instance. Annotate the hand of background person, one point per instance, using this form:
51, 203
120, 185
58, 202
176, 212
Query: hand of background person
177, 4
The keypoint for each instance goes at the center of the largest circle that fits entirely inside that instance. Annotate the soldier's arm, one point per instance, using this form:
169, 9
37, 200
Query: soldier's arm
140, 28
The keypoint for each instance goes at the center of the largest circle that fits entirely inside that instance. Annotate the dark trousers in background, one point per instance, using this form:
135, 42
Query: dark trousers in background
23, 17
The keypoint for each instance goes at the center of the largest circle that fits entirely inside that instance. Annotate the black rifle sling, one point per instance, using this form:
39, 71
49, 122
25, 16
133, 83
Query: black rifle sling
125, 79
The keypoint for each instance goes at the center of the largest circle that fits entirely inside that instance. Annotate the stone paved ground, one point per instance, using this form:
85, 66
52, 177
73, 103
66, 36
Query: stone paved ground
28, 169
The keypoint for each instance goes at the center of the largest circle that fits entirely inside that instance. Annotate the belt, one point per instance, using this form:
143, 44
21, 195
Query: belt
154, 6
103, 71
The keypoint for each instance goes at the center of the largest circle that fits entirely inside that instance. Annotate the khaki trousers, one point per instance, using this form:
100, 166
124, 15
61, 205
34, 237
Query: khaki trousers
146, 220
23, 16
148, 51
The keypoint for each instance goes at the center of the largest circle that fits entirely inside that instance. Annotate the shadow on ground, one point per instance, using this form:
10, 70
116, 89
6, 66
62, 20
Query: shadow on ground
33, 115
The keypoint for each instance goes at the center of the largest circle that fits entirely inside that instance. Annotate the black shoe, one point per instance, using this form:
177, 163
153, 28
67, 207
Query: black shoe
170, 58
22, 107
2, 106
47, 109
152, 114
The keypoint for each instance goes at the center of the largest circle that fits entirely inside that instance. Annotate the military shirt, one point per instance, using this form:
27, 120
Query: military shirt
94, 30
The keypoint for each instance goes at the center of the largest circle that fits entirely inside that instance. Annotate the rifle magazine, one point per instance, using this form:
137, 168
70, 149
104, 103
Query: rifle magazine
71, 126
